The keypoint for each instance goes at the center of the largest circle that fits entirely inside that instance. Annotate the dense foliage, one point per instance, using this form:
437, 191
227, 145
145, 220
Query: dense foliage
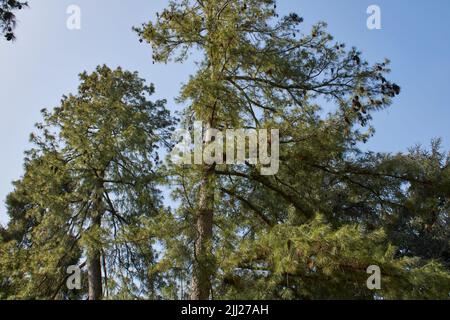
91, 195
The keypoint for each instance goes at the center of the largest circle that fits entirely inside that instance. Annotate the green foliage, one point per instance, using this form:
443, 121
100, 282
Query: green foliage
7, 17
259, 70
316, 261
309, 232
90, 185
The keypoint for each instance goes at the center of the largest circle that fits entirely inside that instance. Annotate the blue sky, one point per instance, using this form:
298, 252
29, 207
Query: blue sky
44, 62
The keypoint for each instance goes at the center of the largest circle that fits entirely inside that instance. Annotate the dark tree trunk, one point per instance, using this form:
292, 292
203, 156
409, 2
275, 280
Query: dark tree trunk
95, 276
203, 259
202, 267
94, 254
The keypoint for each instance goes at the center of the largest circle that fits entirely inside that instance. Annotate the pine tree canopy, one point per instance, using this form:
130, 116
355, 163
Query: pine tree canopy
92, 190
91, 178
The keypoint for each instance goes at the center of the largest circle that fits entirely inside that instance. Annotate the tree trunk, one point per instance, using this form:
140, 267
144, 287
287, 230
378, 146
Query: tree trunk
94, 254
203, 266
203, 259
95, 276
95, 268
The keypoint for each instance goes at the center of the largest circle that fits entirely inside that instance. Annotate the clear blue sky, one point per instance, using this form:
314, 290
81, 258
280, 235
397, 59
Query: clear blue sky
43, 64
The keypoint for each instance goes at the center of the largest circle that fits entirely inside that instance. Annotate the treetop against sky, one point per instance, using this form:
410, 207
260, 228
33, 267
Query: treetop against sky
328, 80
416, 47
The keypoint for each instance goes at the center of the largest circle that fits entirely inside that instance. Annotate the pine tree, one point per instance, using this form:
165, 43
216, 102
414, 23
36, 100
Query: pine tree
8, 18
89, 194
419, 182
260, 71
91, 187
38, 243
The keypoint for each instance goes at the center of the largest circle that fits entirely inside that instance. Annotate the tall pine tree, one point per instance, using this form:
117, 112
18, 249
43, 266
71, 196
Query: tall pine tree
90, 189
260, 71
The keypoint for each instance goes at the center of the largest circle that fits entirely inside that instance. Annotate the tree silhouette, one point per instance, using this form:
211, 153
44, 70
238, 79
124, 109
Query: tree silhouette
8, 18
